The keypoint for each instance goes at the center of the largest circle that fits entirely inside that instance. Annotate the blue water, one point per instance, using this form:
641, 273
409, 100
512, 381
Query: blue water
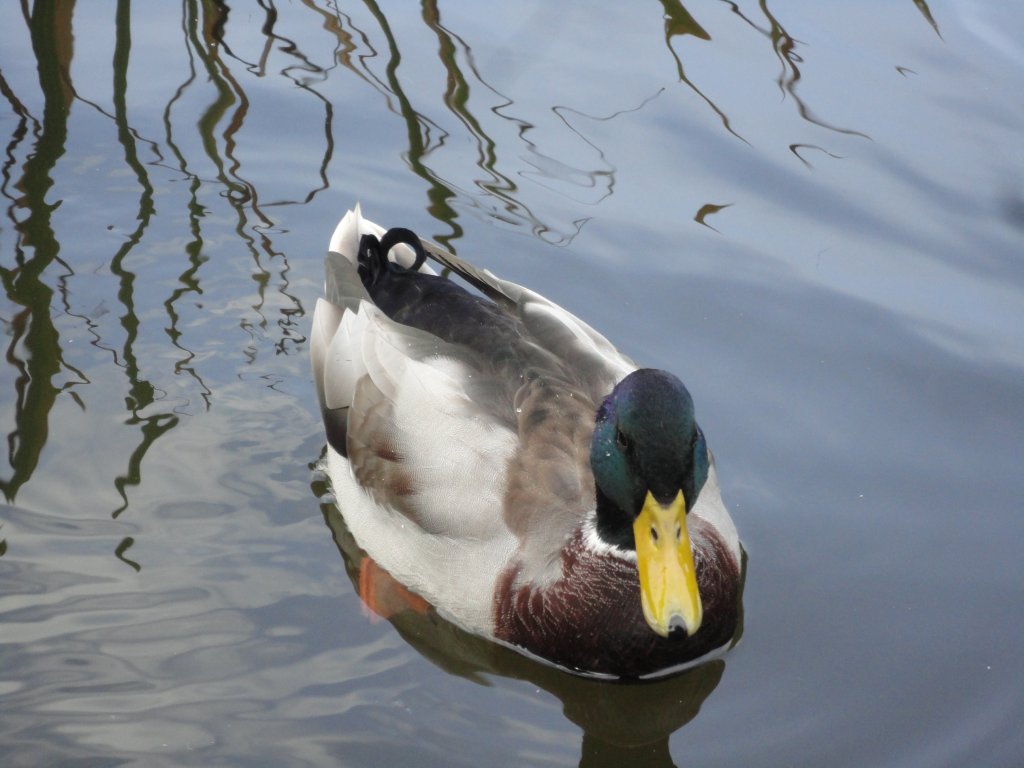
814, 214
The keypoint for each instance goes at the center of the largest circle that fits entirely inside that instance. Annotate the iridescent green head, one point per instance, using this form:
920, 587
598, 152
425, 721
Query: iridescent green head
650, 462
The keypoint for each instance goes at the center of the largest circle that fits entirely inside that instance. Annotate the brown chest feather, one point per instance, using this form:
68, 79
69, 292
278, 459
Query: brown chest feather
591, 620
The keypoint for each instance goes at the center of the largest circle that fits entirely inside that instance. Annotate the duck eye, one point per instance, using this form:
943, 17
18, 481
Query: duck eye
624, 443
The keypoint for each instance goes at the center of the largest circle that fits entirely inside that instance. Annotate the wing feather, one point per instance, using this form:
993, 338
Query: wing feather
446, 437
596, 361
415, 440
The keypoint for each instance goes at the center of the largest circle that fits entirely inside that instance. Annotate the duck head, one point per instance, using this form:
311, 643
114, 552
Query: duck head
650, 462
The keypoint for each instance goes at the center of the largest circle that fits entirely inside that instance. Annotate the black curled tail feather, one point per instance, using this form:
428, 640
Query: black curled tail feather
371, 262
373, 254
398, 235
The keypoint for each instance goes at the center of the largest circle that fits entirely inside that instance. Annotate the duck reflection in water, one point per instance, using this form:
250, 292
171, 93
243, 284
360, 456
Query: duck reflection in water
623, 723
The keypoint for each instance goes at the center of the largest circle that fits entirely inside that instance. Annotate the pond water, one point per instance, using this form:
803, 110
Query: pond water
813, 213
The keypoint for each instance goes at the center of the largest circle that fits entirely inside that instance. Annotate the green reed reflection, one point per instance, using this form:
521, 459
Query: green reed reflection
204, 31
922, 6
42, 296
439, 193
34, 350
456, 98
678, 22
189, 278
298, 74
242, 195
784, 46
123, 547
141, 391
496, 192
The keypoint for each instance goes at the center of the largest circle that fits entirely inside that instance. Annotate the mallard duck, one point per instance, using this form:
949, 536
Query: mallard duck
503, 461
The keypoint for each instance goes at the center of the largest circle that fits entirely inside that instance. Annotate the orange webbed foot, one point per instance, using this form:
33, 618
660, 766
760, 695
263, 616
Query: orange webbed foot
382, 595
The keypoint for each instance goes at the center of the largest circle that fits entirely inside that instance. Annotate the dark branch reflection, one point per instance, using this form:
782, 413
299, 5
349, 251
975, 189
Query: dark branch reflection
784, 47
678, 22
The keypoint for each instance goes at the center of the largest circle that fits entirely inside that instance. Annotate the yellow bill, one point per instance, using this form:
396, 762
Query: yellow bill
668, 577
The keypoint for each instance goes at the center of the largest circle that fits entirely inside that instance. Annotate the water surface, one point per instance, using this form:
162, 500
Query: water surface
812, 213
